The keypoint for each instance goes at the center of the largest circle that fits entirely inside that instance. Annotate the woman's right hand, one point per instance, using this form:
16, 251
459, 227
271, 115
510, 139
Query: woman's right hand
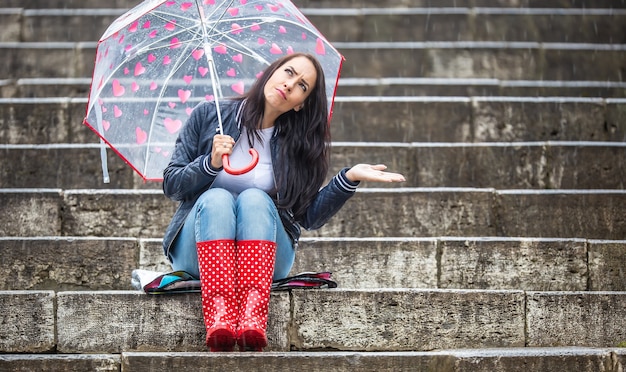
222, 145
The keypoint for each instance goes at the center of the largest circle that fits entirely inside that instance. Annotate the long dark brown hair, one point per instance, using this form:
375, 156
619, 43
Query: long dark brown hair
303, 138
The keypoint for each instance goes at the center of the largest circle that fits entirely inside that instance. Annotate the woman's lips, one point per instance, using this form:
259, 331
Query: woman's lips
282, 94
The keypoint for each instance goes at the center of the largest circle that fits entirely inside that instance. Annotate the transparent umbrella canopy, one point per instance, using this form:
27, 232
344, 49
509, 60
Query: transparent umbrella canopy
157, 61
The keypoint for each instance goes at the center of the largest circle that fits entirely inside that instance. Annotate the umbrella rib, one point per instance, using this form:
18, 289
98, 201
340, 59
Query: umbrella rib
218, 20
182, 30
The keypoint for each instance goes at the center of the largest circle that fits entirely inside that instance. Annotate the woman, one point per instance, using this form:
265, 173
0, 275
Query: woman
237, 233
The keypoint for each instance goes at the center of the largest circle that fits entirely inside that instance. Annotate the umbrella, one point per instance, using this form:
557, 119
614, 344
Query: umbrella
157, 61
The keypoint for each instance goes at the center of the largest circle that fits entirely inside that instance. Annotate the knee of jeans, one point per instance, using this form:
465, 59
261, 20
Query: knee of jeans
216, 199
254, 198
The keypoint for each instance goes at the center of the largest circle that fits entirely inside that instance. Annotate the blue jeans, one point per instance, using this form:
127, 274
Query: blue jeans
218, 215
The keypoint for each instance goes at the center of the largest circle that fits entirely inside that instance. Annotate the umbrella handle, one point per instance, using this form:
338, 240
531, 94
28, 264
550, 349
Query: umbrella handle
246, 169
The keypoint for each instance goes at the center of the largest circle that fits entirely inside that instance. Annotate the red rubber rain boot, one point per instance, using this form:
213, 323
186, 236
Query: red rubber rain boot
216, 260
255, 268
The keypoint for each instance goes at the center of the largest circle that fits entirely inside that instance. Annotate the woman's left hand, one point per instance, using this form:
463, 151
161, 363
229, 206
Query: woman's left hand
373, 173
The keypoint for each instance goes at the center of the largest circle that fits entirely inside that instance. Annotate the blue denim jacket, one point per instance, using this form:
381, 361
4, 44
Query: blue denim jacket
189, 173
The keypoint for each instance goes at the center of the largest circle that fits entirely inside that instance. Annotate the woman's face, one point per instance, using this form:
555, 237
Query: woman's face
290, 85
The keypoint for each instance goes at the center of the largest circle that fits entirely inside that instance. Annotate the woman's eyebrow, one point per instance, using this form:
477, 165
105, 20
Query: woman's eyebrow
296, 73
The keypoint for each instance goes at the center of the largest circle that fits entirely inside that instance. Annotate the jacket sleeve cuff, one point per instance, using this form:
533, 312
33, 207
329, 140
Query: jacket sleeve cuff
344, 183
207, 168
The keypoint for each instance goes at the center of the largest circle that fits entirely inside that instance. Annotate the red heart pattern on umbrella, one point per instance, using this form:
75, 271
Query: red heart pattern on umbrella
173, 125
184, 95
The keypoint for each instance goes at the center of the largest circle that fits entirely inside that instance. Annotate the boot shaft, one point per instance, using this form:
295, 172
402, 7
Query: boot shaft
216, 261
254, 271
255, 264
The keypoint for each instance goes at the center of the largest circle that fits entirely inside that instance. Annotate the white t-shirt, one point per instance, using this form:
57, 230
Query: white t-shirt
260, 177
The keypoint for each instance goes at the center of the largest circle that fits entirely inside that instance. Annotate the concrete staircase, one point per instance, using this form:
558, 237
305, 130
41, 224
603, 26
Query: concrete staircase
505, 250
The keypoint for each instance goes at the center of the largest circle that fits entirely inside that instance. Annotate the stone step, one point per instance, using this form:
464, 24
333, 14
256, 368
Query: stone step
366, 24
580, 359
46, 87
457, 59
79, 87
566, 4
104, 322
375, 119
61, 362
453, 87
471, 24
522, 165
500, 60
403, 212
488, 263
